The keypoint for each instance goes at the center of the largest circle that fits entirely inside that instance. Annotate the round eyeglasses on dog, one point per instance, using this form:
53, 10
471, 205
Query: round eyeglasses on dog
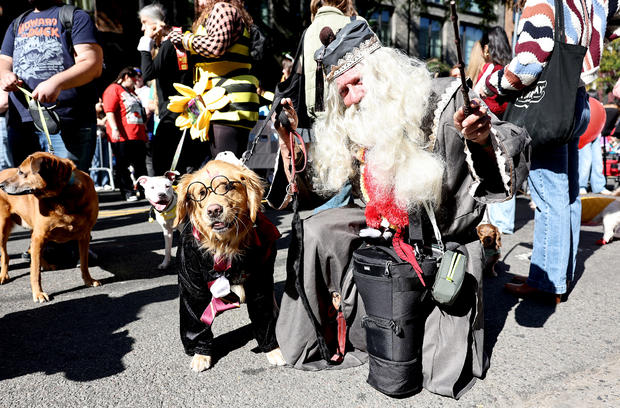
220, 185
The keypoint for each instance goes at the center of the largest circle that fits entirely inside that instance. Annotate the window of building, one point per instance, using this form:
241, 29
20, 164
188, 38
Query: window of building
429, 39
469, 35
380, 22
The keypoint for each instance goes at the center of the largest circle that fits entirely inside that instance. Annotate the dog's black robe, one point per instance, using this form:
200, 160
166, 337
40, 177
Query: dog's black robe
196, 269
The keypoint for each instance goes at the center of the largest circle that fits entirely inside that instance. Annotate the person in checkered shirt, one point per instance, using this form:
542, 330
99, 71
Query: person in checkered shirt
219, 45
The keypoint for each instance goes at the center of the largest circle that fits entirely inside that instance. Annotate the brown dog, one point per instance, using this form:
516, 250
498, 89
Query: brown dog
491, 240
227, 257
58, 202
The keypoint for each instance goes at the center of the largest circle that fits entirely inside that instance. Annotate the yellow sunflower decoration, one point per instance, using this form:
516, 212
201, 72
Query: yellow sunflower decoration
196, 106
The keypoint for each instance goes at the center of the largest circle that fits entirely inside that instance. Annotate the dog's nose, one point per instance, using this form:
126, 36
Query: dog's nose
488, 240
214, 210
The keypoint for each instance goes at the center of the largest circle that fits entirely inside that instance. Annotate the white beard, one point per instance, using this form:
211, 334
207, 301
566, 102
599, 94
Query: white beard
387, 124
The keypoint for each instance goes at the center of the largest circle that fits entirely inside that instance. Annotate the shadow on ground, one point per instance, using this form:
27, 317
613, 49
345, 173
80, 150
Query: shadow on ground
79, 338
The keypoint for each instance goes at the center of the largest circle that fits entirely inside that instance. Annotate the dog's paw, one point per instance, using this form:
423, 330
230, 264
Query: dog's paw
40, 297
200, 363
163, 265
275, 357
369, 233
4, 279
238, 290
92, 282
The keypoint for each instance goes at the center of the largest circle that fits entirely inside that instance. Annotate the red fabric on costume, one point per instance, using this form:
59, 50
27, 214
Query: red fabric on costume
379, 205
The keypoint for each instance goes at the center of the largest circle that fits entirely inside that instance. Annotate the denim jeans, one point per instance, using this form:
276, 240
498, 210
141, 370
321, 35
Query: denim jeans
502, 215
73, 142
6, 159
554, 185
591, 166
77, 144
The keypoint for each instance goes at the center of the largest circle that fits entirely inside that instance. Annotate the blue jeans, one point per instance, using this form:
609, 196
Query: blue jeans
502, 215
554, 185
73, 142
591, 166
6, 159
341, 199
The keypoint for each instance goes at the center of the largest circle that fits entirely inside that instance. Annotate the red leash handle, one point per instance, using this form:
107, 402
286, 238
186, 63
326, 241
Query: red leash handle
291, 137
407, 253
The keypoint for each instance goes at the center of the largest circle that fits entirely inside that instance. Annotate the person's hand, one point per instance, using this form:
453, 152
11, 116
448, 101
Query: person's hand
287, 108
475, 127
175, 38
47, 91
154, 30
116, 135
9, 81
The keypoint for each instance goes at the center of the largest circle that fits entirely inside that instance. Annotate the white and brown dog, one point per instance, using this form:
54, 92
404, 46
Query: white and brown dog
160, 193
602, 210
227, 256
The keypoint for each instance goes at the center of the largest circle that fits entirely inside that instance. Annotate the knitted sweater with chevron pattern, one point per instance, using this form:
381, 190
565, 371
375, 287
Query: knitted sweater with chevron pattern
585, 24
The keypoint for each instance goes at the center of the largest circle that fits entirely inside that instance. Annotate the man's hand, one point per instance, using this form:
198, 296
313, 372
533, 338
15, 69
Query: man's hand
287, 107
47, 91
477, 126
9, 81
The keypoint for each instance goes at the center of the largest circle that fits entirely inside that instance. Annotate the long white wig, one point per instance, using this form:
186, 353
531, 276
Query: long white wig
387, 122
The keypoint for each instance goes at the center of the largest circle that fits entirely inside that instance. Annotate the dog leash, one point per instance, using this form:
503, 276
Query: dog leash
47, 133
177, 153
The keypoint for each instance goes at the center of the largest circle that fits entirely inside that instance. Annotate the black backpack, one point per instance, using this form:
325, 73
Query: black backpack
65, 15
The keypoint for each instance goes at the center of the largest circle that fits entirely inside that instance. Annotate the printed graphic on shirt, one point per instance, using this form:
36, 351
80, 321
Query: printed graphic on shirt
38, 49
133, 108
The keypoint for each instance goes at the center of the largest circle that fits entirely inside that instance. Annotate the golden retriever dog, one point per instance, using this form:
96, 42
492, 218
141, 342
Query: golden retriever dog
491, 239
227, 257
57, 201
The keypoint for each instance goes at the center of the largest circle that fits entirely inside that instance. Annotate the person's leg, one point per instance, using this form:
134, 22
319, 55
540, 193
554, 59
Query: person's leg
164, 145
96, 175
6, 159
597, 179
229, 138
549, 185
123, 179
585, 164
502, 215
22, 141
575, 204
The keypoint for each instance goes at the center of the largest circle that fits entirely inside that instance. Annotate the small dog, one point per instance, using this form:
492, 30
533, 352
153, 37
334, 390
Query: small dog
602, 210
57, 201
227, 257
160, 193
491, 240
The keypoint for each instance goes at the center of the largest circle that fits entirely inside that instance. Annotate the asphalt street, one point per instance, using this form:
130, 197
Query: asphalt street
118, 345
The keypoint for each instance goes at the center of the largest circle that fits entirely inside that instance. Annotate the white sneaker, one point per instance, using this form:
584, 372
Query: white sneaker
604, 191
107, 187
132, 198
98, 188
583, 191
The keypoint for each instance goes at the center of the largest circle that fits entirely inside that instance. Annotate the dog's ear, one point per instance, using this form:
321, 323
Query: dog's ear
479, 230
254, 187
54, 171
172, 175
184, 204
142, 180
498, 237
